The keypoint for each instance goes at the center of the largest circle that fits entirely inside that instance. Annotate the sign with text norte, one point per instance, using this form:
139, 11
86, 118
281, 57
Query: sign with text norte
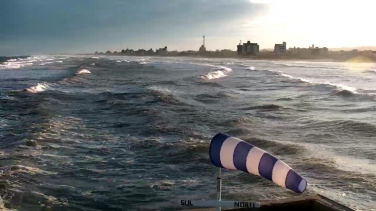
214, 203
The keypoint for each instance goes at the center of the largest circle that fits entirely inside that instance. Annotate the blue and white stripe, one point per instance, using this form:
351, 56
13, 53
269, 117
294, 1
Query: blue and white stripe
233, 153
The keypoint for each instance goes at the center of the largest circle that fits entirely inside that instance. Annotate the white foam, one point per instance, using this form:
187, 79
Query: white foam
83, 71
289, 76
342, 87
38, 88
348, 163
44, 63
225, 68
23, 62
338, 86
32, 170
160, 89
14, 64
214, 75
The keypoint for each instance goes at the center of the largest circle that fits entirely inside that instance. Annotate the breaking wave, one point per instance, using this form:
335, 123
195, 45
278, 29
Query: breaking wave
24, 61
291, 77
370, 71
345, 93
164, 95
214, 75
217, 73
338, 87
40, 87
305, 66
250, 68
83, 71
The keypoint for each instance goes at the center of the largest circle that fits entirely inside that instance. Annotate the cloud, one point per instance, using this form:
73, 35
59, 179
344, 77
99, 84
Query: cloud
51, 25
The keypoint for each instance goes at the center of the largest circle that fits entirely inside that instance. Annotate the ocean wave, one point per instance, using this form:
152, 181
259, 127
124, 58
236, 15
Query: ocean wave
345, 93
220, 72
346, 126
11, 58
214, 75
208, 83
19, 62
211, 98
293, 78
247, 67
265, 107
304, 66
29, 170
14, 65
370, 71
338, 87
40, 87
83, 71
164, 95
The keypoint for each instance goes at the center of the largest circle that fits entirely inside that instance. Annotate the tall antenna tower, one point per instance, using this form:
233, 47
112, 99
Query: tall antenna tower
203, 40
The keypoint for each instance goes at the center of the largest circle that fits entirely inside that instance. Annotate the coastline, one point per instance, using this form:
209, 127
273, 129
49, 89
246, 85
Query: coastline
248, 58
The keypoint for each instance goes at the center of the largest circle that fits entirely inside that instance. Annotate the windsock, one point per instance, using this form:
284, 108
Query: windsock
232, 153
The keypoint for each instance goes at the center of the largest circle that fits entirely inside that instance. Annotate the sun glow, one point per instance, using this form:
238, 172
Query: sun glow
333, 23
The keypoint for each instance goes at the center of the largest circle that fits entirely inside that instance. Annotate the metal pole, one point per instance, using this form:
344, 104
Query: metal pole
219, 188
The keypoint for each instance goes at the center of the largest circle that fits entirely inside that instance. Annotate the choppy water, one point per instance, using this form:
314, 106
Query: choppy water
132, 133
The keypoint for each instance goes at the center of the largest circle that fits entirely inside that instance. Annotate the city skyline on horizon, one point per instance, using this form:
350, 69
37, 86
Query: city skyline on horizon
46, 27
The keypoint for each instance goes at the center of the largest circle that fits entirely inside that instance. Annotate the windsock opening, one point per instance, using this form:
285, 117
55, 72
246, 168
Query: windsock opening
235, 154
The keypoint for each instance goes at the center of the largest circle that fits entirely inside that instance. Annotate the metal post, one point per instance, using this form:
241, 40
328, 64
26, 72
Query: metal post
219, 188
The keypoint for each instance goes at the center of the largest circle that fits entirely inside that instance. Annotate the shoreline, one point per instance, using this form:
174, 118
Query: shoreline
245, 58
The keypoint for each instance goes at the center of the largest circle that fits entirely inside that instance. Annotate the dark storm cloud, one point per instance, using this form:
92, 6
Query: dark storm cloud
43, 26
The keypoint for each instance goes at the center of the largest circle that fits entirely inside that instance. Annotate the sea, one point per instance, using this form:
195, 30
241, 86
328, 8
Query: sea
90, 133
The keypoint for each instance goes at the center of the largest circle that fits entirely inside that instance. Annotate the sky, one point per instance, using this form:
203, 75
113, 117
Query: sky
84, 26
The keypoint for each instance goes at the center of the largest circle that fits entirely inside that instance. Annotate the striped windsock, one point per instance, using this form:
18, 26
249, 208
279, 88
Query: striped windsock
233, 153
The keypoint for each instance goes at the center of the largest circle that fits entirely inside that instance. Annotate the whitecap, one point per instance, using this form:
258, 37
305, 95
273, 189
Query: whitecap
31, 170
83, 71
291, 77
339, 87
38, 88
214, 75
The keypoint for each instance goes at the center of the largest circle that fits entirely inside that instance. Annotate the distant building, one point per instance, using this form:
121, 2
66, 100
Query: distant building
202, 48
150, 51
248, 48
309, 52
162, 51
140, 52
369, 53
280, 48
